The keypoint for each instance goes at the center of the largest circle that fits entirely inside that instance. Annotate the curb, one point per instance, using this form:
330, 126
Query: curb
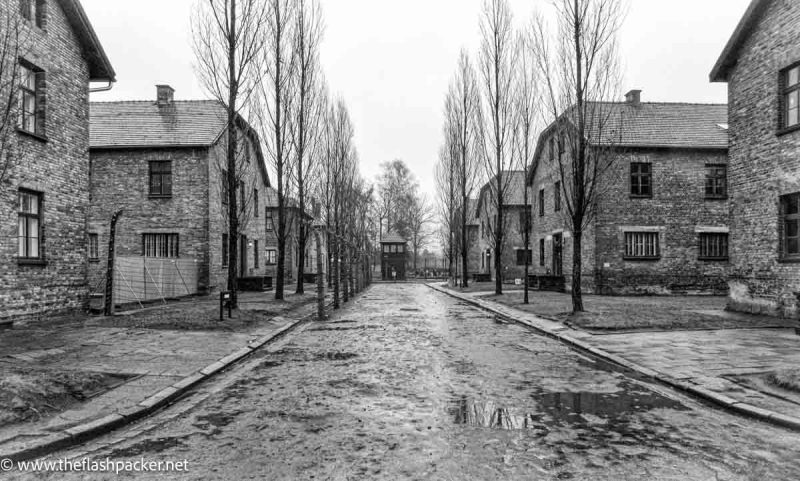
88, 430
700, 392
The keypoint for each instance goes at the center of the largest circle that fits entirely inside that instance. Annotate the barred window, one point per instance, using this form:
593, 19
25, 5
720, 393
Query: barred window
642, 245
161, 178
29, 225
94, 250
716, 181
271, 257
641, 179
713, 246
160, 245
790, 226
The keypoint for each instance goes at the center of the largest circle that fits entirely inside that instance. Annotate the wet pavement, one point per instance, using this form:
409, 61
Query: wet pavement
407, 383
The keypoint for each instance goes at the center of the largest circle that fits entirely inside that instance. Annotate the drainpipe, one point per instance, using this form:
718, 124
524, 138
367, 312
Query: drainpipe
103, 89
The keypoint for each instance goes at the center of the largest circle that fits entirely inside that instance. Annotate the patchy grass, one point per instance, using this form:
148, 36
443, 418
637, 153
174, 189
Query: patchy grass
610, 313
482, 287
202, 314
29, 394
785, 379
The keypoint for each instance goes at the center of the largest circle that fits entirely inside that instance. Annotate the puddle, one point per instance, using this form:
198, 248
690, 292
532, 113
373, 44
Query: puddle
335, 356
214, 421
558, 408
354, 328
407, 309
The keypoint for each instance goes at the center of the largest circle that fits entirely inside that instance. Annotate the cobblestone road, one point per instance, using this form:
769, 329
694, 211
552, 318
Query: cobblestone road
406, 383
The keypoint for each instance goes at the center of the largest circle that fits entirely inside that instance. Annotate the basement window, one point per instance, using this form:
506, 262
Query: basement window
713, 246
790, 227
642, 246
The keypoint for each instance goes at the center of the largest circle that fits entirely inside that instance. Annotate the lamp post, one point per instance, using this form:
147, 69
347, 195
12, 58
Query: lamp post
319, 228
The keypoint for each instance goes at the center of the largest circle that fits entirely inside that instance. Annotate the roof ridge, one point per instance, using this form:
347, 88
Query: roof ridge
152, 101
622, 102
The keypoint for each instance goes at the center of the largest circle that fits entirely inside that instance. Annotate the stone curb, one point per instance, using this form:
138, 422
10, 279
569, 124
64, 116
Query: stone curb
707, 395
88, 430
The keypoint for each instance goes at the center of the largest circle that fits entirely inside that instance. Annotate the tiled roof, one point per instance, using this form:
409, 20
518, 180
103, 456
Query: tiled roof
514, 183
99, 66
676, 125
393, 238
472, 212
271, 199
146, 124
729, 55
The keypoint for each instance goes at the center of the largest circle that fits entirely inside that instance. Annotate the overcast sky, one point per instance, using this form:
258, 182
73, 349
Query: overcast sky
391, 60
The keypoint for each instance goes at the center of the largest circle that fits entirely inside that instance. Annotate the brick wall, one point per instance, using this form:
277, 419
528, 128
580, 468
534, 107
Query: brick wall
678, 211
59, 168
764, 165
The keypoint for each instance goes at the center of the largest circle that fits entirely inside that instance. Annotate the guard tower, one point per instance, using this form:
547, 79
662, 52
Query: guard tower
394, 252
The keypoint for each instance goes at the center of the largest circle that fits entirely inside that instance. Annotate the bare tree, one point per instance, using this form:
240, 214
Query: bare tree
463, 113
305, 129
445, 173
228, 43
580, 71
396, 189
421, 219
527, 107
497, 62
277, 93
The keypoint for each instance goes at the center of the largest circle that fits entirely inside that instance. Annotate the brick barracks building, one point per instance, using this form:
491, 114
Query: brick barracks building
45, 193
761, 64
662, 215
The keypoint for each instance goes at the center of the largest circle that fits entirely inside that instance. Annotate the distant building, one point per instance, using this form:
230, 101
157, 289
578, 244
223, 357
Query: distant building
513, 253
45, 193
474, 246
662, 212
394, 257
761, 64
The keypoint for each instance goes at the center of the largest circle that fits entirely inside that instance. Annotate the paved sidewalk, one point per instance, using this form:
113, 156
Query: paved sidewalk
722, 366
160, 363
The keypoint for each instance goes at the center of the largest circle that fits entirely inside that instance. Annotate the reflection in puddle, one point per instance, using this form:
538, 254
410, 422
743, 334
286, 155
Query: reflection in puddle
557, 408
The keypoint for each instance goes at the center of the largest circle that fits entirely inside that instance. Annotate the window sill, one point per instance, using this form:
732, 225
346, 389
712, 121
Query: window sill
787, 130
643, 259
94, 260
713, 259
39, 137
633, 196
32, 262
789, 260
157, 197
716, 197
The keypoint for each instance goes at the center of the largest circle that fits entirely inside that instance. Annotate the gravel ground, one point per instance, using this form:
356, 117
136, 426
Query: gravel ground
406, 383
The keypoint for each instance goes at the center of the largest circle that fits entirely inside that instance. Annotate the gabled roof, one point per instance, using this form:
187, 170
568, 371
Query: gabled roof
393, 238
514, 193
182, 124
99, 66
730, 53
140, 124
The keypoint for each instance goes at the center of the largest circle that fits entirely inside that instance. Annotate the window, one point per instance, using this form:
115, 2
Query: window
93, 247
541, 252
394, 248
272, 257
790, 226
716, 181
255, 254
386, 248
642, 245
714, 246
521, 257
223, 191
160, 245
224, 250
541, 202
641, 180
161, 178
255, 202
33, 10
557, 197
790, 97
270, 224
30, 225
30, 116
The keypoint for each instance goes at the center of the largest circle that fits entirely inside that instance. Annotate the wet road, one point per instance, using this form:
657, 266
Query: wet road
406, 383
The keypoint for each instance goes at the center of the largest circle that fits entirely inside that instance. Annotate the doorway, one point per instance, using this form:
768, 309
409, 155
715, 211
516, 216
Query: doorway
558, 259
243, 255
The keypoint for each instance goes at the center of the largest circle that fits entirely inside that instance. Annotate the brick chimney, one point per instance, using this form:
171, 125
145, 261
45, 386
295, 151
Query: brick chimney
164, 95
634, 97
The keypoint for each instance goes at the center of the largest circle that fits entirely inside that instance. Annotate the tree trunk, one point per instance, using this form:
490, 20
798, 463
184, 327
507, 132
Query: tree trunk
577, 262
233, 211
